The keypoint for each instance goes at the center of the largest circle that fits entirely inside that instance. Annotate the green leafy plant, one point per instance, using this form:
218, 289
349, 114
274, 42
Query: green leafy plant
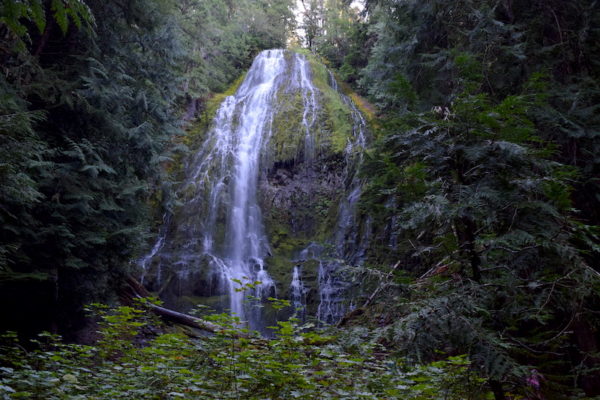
296, 364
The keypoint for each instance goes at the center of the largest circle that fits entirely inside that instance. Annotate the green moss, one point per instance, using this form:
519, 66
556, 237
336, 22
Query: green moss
334, 124
284, 246
300, 50
328, 222
338, 116
320, 209
284, 242
287, 137
280, 268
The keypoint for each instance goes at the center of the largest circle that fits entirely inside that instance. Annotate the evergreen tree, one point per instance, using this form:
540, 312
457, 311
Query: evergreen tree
97, 111
481, 207
91, 107
479, 183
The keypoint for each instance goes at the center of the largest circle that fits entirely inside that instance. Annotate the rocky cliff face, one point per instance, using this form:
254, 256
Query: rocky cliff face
269, 195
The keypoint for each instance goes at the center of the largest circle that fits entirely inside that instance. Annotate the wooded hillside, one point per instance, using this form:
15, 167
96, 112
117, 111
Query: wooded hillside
479, 203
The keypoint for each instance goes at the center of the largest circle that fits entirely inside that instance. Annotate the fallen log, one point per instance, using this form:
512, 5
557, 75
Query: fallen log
184, 319
135, 290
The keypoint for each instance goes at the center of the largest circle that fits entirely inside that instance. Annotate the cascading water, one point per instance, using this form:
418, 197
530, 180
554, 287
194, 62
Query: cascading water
145, 261
298, 293
302, 80
213, 249
218, 237
239, 133
348, 246
359, 127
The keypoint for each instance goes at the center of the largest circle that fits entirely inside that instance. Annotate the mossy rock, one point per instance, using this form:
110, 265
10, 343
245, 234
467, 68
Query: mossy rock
299, 199
287, 132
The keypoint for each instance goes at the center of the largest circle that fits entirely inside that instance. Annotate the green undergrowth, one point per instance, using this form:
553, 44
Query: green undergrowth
130, 361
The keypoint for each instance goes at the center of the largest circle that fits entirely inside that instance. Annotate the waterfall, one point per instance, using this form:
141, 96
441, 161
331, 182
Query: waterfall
302, 80
145, 261
239, 133
349, 245
298, 292
220, 227
214, 246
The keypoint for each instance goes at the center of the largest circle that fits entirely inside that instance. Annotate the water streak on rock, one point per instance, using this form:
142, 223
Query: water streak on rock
214, 245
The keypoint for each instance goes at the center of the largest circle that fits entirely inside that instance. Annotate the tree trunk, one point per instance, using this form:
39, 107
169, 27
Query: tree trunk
465, 230
43, 39
587, 343
497, 390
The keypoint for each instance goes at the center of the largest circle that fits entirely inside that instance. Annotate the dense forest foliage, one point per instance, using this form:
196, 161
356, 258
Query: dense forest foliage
484, 178
481, 183
92, 100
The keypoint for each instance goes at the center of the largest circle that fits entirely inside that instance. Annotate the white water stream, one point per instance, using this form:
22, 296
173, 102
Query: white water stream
348, 243
217, 241
240, 128
223, 223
